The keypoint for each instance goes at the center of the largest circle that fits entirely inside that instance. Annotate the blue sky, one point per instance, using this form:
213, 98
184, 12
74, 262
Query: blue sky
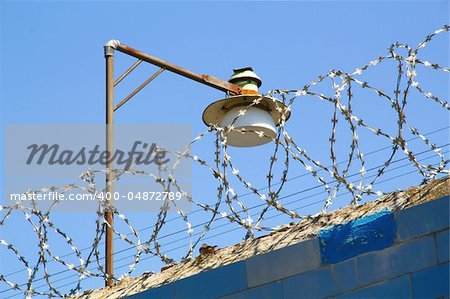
52, 72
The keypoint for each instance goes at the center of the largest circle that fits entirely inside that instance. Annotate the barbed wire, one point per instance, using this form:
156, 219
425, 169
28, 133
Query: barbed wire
254, 214
297, 200
333, 178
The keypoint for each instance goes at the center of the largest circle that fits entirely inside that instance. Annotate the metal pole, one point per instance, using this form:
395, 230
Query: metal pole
109, 215
110, 47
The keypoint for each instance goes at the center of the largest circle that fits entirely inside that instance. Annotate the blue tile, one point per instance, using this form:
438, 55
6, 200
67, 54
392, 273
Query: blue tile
345, 274
213, 283
431, 283
403, 258
341, 242
313, 284
166, 291
423, 219
283, 262
442, 244
397, 288
267, 291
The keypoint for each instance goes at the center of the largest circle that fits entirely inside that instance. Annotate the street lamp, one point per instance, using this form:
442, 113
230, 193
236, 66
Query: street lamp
254, 117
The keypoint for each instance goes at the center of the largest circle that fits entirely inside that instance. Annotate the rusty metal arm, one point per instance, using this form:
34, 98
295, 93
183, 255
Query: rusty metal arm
209, 80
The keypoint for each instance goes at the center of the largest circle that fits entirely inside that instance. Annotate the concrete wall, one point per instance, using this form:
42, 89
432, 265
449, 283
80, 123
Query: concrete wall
385, 255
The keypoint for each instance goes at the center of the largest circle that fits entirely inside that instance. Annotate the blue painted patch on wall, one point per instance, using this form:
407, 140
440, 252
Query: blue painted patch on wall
344, 241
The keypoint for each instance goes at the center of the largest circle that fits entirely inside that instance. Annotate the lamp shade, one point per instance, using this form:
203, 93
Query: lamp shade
255, 120
262, 117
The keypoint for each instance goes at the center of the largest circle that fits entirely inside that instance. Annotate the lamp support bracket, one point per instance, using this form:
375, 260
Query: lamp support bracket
209, 80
